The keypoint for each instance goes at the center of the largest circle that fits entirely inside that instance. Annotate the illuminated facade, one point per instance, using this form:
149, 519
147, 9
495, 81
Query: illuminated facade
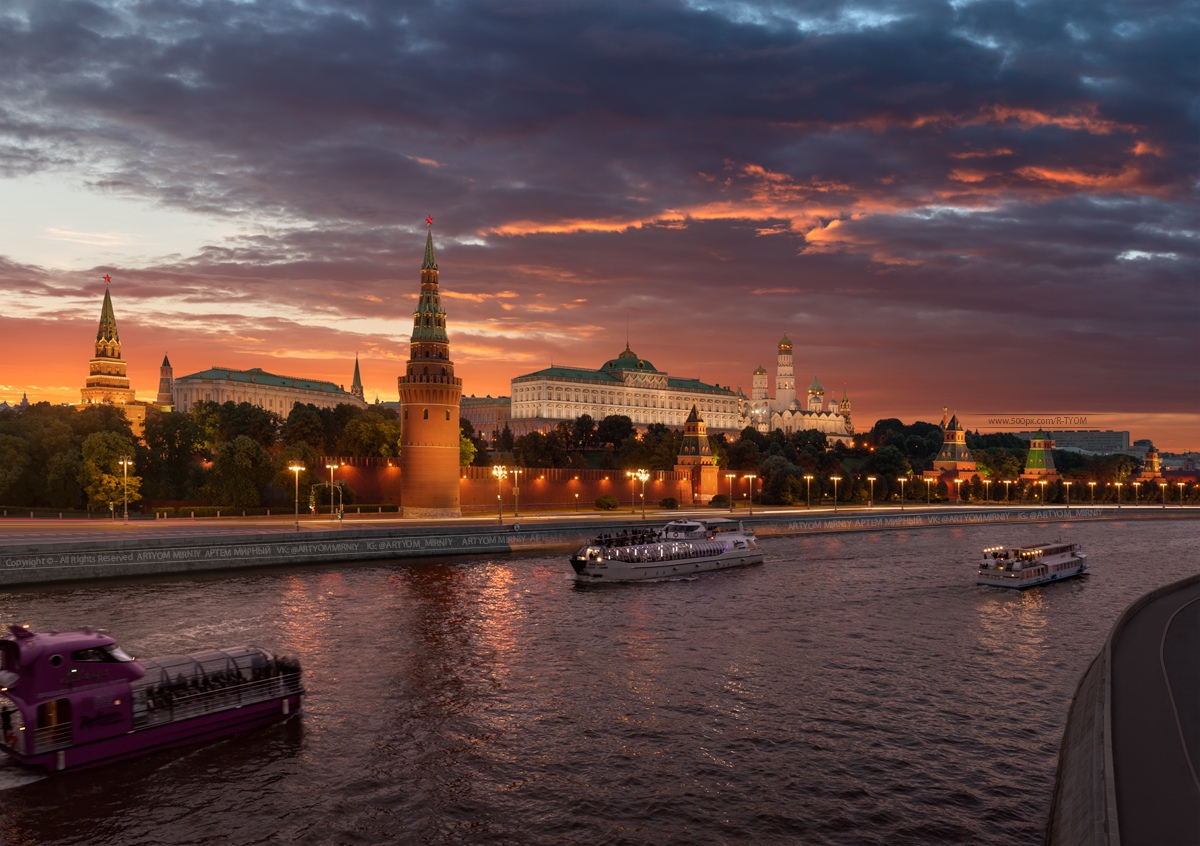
257, 387
430, 395
786, 412
107, 382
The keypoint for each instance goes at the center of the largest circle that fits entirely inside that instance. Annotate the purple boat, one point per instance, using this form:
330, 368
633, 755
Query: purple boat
76, 699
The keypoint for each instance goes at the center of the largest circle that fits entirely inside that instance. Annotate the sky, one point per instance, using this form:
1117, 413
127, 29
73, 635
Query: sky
989, 206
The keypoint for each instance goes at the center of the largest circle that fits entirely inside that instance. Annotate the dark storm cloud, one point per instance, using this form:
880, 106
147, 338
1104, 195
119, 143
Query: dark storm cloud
855, 169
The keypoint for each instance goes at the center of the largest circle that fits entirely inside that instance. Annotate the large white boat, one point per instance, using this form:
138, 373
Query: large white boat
680, 548
1026, 566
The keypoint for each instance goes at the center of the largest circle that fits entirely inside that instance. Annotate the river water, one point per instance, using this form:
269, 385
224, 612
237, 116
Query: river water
857, 688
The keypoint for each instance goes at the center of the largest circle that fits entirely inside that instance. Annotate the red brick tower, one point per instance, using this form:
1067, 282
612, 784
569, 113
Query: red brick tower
429, 407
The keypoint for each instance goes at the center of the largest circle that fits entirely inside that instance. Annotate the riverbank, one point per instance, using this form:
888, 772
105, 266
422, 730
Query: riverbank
37, 554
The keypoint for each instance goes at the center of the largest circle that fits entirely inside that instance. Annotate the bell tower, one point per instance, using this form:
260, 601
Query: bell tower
430, 396
785, 380
106, 381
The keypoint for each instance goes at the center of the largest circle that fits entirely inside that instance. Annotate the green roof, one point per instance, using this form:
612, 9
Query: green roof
258, 376
611, 378
429, 263
108, 320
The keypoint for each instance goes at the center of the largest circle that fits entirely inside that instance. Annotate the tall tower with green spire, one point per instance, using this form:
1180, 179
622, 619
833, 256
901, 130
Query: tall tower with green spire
356, 386
430, 396
106, 381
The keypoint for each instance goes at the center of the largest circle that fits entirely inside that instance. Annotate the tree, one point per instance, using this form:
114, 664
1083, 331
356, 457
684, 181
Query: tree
304, 425
370, 434
14, 458
466, 451
103, 478
172, 440
240, 473
583, 433
614, 429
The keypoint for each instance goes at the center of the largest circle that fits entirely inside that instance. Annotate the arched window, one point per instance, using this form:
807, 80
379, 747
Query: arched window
426, 414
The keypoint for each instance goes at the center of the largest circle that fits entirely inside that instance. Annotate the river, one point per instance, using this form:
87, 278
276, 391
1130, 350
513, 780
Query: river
857, 688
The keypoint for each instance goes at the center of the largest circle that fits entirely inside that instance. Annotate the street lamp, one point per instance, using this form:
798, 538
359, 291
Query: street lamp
1180, 493
1163, 485
125, 461
987, 491
902, 480
871, 499
629, 474
516, 471
928, 488
576, 503
297, 469
1092, 485
331, 468
1007, 482
1042, 482
642, 476
730, 477
835, 480
958, 490
1136, 490
1118, 485
500, 472
808, 487
750, 477
1067, 485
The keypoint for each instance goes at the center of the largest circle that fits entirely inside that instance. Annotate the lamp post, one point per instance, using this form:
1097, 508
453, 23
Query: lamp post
871, 498
1007, 482
902, 480
642, 476
987, 491
576, 503
1067, 485
729, 477
500, 472
958, 490
1092, 485
928, 488
1136, 490
629, 474
835, 480
331, 468
1118, 485
297, 469
1180, 493
808, 490
750, 477
1042, 482
516, 471
126, 461
1163, 485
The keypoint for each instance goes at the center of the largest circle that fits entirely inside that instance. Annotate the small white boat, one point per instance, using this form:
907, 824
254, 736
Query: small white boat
1026, 566
680, 548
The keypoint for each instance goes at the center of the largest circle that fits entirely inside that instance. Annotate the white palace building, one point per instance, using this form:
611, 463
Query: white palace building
786, 412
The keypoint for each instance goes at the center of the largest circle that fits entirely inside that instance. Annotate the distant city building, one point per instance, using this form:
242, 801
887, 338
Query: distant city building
785, 412
1039, 463
24, 403
1091, 440
430, 396
625, 385
258, 387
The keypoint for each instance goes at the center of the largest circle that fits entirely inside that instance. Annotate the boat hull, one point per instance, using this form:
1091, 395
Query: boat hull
1022, 584
206, 727
635, 571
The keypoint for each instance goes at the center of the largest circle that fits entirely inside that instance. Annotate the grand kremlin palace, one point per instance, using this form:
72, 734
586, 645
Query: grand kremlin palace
625, 385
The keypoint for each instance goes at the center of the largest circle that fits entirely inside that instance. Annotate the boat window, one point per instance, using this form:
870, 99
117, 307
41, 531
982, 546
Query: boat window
110, 654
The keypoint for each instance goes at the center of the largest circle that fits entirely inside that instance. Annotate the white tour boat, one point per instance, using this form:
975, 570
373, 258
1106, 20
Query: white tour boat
680, 548
1026, 566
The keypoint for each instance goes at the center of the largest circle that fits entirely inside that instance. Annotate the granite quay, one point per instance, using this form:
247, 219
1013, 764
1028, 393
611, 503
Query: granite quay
33, 552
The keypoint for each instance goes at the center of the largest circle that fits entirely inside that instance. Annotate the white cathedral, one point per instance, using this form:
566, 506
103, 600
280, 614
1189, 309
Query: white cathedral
785, 412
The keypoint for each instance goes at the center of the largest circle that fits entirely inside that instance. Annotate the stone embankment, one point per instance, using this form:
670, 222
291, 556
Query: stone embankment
108, 557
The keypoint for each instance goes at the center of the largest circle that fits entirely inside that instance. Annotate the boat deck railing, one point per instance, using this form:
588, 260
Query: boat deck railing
157, 707
50, 738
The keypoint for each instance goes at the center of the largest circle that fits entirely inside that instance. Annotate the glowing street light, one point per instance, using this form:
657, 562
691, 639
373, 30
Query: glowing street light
1042, 482
331, 468
642, 476
576, 503
125, 461
835, 480
1118, 485
750, 477
1136, 490
902, 480
928, 488
297, 469
1180, 493
987, 491
1007, 482
516, 471
629, 474
730, 477
1163, 485
1067, 485
958, 490
808, 488
501, 473
1092, 485
871, 499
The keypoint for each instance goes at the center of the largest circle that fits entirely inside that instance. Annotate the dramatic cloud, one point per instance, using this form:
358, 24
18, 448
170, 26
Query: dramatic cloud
990, 205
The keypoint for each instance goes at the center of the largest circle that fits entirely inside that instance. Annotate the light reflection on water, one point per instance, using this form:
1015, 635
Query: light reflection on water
857, 688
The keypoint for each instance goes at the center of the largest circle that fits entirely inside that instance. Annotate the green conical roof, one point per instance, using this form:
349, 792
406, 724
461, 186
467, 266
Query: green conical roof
166, 361
357, 383
108, 320
430, 263
816, 386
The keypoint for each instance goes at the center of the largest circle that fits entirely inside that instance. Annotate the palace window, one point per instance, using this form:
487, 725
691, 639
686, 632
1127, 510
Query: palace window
426, 414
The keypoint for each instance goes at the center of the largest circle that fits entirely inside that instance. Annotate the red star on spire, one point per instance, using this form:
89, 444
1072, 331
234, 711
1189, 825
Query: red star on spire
107, 279
429, 221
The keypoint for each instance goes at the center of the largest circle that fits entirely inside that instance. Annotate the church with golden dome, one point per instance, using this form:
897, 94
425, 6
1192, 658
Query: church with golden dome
786, 412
